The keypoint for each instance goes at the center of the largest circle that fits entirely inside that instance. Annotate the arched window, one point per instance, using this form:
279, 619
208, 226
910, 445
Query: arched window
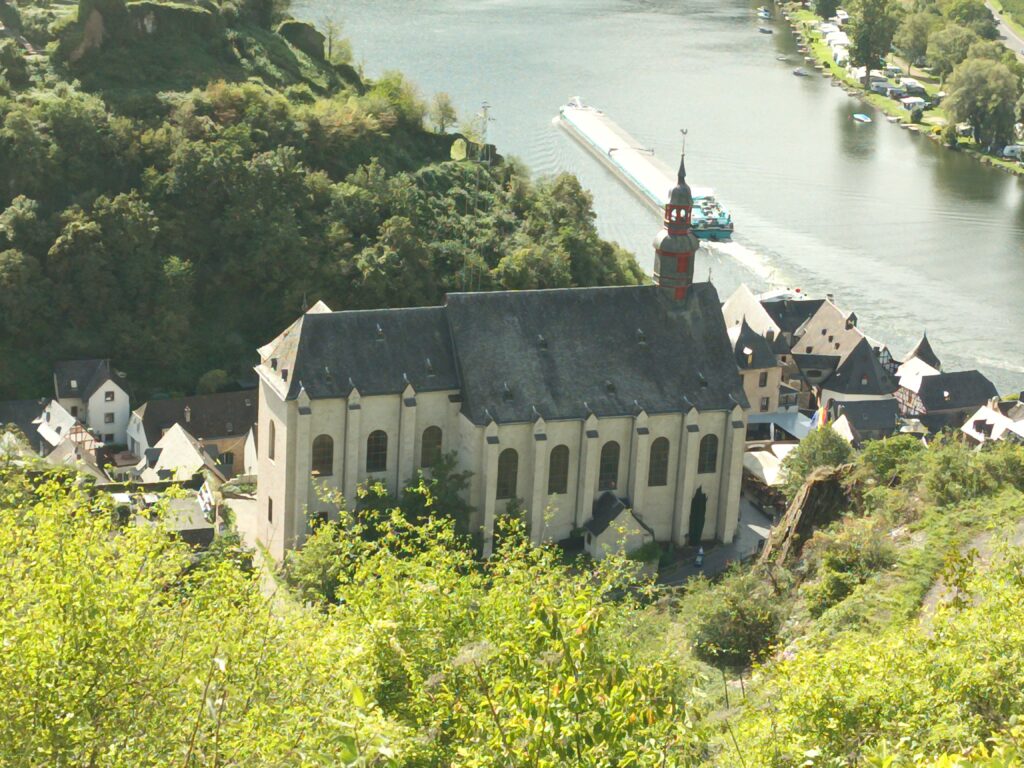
558, 470
707, 459
608, 476
323, 455
430, 446
271, 438
508, 471
377, 451
657, 470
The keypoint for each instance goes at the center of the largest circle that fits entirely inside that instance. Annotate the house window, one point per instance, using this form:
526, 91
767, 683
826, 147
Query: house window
707, 459
608, 475
430, 446
558, 470
657, 472
271, 439
762, 379
765, 402
108, 396
323, 456
74, 412
508, 471
108, 418
770, 335
270, 510
377, 451
108, 438
809, 350
227, 459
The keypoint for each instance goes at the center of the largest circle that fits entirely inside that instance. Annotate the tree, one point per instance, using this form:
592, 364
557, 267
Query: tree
821, 448
974, 15
948, 46
911, 38
826, 8
212, 382
872, 26
442, 112
984, 93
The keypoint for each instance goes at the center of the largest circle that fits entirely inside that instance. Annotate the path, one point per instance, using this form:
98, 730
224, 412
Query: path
984, 545
1011, 39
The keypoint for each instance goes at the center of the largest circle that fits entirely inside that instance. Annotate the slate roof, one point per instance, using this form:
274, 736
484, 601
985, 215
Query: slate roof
861, 374
88, 375
607, 508
790, 314
210, 416
871, 415
561, 353
565, 353
377, 351
760, 353
955, 391
826, 364
924, 352
21, 413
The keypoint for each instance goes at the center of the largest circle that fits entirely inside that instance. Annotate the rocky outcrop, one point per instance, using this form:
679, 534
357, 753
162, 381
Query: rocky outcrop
101, 21
821, 501
303, 36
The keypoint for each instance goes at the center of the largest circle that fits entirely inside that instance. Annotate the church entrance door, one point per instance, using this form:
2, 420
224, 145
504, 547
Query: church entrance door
698, 513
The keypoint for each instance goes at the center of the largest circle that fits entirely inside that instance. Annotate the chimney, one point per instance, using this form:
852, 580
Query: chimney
188, 414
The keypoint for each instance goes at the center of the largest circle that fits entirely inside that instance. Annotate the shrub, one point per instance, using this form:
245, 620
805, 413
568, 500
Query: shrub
821, 448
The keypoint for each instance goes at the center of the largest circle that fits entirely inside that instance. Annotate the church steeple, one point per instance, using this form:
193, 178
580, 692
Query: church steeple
676, 246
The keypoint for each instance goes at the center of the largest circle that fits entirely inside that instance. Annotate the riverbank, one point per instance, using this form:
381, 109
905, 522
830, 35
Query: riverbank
803, 23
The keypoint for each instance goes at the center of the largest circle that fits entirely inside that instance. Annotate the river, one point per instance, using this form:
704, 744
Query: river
911, 236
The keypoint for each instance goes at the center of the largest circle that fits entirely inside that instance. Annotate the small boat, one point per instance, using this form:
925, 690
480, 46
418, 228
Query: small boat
764, 14
782, 58
765, 30
861, 118
892, 118
801, 72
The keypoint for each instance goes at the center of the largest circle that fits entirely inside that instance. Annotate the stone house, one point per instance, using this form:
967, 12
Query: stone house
92, 392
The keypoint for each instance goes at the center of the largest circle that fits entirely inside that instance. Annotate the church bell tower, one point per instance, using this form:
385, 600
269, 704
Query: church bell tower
675, 247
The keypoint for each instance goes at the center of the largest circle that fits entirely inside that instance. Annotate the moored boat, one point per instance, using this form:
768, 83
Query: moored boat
765, 30
861, 118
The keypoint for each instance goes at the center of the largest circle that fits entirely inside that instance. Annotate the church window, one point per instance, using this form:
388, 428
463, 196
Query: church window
430, 447
271, 439
558, 470
608, 475
323, 455
657, 471
508, 471
707, 459
377, 451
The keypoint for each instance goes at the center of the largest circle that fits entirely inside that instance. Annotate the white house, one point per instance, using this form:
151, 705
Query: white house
89, 391
176, 456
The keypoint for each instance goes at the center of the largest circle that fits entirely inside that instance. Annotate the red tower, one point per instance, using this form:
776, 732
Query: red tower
676, 246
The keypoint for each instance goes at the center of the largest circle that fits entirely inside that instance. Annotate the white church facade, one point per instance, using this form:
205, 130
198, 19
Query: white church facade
551, 399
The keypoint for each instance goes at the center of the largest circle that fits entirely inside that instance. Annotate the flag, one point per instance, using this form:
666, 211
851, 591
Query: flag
206, 501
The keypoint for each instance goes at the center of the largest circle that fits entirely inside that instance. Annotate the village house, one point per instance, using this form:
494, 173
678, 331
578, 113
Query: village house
996, 420
90, 391
549, 398
221, 422
946, 399
177, 455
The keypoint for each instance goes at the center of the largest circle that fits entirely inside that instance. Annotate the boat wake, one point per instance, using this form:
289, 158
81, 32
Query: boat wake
746, 257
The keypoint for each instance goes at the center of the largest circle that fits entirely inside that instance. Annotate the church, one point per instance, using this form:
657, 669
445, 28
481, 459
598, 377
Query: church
570, 406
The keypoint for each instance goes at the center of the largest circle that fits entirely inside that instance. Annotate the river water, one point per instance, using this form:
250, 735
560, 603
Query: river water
911, 236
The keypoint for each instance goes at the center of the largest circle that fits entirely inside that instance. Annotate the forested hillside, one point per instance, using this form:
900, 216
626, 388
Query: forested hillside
178, 181
894, 639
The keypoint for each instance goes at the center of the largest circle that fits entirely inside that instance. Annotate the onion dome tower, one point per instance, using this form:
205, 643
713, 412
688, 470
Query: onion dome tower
676, 246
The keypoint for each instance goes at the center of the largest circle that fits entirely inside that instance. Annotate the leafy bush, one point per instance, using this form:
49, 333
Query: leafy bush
843, 558
821, 448
735, 621
886, 461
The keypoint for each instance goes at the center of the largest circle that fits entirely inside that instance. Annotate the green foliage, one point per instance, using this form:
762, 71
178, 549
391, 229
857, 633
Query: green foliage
735, 621
821, 448
843, 559
974, 15
826, 8
984, 93
887, 461
239, 192
949, 46
13, 67
873, 24
911, 37
212, 382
